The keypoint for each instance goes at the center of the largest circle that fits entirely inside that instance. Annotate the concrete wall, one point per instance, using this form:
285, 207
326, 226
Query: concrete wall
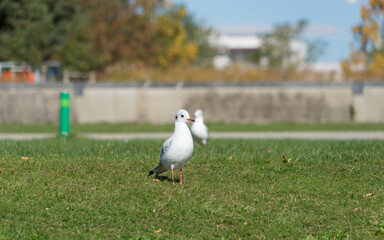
369, 106
272, 104
29, 105
276, 102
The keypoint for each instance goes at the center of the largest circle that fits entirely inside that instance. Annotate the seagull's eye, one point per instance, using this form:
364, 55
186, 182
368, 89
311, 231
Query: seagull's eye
182, 116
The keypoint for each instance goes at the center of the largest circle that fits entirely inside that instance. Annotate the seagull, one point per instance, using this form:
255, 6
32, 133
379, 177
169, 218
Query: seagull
199, 131
178, 148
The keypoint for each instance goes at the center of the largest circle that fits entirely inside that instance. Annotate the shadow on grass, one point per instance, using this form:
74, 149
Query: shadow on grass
165, 178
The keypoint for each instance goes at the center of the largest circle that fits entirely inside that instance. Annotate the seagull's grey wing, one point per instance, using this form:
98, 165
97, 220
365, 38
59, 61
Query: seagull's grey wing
206, 130
165, 148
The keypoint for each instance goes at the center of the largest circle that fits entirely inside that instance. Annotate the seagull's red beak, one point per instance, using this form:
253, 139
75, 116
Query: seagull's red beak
190, 119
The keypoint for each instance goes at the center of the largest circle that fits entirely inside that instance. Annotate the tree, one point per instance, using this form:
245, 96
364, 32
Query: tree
22, 24
142, 31
199, 35
368, 60
41, 30
92, 34
276, 51
279, 52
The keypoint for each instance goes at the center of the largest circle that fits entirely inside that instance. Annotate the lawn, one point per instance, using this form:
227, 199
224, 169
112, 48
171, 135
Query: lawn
90, 189
146, 127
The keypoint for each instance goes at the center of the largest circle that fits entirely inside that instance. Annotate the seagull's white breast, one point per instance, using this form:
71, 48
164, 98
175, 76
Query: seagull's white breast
179, 149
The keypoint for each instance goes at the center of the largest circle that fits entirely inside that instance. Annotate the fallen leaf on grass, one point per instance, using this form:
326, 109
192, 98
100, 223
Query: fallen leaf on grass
24, 158
230, 158
99, 158
369, 194
269, 151
157, 231
156, 180
204, 156
286, 160
356, 209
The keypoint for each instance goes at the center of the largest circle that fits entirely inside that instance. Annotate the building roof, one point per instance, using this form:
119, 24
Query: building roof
237, 41
250, 42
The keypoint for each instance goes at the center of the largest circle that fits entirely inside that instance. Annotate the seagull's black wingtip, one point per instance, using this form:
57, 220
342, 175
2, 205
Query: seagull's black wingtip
151, 172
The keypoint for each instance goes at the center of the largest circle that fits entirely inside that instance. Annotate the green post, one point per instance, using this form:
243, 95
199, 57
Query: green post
64, 114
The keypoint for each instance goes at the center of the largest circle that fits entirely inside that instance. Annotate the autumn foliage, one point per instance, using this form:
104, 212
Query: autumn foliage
92, 34
142, 31
368, 61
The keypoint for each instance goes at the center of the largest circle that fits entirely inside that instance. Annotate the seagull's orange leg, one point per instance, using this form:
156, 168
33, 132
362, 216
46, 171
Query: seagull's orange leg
181, 173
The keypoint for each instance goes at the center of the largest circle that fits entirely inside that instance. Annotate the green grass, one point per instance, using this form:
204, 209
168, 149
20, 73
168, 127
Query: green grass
146, 127
89, 189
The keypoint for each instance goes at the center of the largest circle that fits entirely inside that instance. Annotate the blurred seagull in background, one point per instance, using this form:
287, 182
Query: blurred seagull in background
178, 148
199, 130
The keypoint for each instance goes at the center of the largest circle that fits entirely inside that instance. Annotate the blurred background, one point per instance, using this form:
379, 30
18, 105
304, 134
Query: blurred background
240, 61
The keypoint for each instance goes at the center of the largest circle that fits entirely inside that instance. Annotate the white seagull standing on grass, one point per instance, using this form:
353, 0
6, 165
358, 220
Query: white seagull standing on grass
199, 131
178, 148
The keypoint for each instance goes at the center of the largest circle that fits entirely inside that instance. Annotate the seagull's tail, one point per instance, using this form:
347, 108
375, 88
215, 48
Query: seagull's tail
153, 171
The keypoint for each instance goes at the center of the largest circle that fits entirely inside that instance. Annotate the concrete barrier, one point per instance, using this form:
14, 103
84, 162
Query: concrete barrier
221, 102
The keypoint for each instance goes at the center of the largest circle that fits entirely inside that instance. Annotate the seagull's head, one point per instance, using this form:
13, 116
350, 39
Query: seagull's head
183, 116
198, 113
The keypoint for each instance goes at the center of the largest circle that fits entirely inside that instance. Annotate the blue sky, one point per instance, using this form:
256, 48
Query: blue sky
329, 20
